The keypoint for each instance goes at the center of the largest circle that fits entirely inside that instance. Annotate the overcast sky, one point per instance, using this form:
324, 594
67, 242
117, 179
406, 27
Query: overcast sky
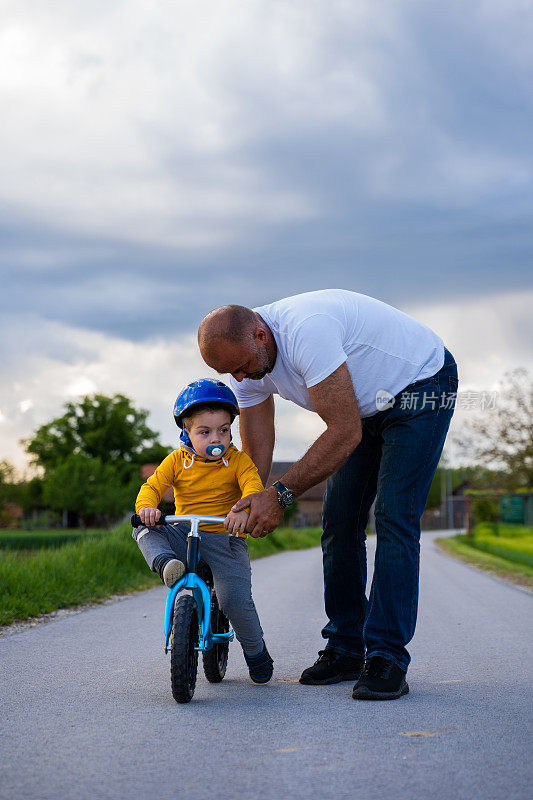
161, 159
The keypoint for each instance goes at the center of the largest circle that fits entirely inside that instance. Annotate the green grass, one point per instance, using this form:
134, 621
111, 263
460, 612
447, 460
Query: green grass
36, 540
78, 572
93, 568
505, 549
284, 539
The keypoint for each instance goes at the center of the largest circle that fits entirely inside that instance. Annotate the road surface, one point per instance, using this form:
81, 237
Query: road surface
87, 710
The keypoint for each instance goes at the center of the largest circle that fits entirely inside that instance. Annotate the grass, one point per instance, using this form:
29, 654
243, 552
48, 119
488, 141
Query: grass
78, 572
284, 539
36, 540
91, 568
501, 548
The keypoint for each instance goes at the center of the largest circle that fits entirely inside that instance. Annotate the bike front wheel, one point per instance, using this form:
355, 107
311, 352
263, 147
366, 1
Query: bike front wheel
183, 654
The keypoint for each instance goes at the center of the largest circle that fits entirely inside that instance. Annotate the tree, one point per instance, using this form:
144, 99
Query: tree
92, 454
7, 473
107, 428
8, 498
18, 494
88, 487
502, 437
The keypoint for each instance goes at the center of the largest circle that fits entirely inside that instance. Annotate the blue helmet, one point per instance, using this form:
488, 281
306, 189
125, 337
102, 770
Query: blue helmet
204, 390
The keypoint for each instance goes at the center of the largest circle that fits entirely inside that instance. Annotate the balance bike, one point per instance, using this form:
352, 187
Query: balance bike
193, 622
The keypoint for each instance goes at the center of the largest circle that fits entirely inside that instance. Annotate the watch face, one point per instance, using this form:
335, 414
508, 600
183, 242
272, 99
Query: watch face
287, 498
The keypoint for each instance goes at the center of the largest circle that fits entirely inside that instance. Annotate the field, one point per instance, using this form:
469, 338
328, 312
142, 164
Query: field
44, 571
501, 548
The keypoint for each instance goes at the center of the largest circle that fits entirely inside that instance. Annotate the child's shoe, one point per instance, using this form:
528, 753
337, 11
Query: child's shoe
172, 572
260, 667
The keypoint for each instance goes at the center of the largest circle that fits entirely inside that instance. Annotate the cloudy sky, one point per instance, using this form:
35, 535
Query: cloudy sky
161, 159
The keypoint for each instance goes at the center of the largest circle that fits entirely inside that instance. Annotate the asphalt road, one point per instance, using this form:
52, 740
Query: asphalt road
87, 710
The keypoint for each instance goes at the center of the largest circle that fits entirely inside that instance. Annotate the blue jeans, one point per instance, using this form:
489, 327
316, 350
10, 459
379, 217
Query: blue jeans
394, 464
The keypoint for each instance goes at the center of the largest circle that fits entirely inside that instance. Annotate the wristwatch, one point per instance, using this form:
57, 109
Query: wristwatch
286, 497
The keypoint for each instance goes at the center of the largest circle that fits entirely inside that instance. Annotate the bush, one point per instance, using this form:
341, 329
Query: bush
484, 509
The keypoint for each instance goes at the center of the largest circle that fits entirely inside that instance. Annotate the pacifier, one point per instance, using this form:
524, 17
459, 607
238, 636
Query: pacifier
214, 450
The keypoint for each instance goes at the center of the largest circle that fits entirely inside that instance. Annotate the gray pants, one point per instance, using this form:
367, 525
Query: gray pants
227, 557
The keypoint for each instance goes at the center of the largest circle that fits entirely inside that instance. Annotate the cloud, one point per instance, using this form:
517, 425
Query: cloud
488, 337
144, 145
160, 160
45, 368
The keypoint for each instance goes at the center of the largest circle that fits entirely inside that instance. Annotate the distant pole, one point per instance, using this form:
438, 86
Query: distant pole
450, 498
443, 497
468, 522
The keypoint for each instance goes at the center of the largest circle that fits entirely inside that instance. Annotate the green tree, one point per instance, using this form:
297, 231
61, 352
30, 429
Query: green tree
91, 455
7, 476
502, 437
108, 428
7, 493
88, 487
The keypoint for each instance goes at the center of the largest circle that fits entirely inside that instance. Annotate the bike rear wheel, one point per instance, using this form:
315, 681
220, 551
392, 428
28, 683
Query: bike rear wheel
183, 655
215, 660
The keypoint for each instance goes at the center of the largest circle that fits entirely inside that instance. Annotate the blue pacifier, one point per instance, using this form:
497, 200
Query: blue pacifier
214, 450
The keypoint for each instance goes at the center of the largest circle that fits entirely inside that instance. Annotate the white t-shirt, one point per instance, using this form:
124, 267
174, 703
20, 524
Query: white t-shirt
385, 350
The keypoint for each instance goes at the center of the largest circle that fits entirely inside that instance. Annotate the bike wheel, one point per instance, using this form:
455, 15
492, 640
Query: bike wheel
216, 660
183, 655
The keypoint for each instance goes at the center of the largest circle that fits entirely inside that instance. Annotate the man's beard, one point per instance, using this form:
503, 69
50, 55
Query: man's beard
265, 367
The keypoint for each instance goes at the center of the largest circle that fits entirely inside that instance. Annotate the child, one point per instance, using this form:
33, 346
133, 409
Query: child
209, 475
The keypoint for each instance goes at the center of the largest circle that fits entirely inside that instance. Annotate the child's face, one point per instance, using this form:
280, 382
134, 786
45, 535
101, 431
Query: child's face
210, 427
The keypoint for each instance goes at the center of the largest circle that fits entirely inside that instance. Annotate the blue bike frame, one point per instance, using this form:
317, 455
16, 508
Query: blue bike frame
200, 591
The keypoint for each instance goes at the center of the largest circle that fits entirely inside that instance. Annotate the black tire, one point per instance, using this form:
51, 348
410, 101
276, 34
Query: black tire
216, 659
183, 655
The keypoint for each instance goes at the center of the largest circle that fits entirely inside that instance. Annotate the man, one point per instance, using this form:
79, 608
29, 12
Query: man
385, 386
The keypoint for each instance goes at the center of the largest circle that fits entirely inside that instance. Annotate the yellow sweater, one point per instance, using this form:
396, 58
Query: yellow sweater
206, 487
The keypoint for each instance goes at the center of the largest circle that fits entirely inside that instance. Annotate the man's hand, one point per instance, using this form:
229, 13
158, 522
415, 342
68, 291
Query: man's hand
265, 512
236, 522
149, 516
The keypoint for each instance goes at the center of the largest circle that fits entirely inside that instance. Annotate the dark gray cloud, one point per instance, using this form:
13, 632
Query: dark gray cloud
403, 255
384, 151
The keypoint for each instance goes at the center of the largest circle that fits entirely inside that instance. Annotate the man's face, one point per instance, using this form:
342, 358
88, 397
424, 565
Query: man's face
247, 360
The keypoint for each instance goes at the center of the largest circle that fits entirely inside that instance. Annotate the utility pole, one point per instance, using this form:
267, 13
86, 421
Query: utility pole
449, 498
443, 497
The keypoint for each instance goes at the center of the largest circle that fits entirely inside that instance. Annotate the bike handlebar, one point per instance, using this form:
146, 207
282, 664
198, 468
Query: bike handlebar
170, 518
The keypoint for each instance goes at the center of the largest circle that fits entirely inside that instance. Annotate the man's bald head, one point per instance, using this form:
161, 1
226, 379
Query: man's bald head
237, 340
232, 323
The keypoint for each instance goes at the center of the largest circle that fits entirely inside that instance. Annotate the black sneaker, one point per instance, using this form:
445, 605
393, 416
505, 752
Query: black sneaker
382, 679
260, 667
332, 667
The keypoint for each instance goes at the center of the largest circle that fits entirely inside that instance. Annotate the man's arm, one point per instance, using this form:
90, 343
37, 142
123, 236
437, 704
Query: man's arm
334, 400
256, 426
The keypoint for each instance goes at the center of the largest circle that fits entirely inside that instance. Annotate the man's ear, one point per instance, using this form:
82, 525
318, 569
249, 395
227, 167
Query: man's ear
260, 334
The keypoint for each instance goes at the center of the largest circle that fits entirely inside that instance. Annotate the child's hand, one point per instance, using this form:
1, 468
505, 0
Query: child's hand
236, 521
149, 516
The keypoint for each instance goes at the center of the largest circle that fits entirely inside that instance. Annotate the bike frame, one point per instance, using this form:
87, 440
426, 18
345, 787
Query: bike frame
198, 587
